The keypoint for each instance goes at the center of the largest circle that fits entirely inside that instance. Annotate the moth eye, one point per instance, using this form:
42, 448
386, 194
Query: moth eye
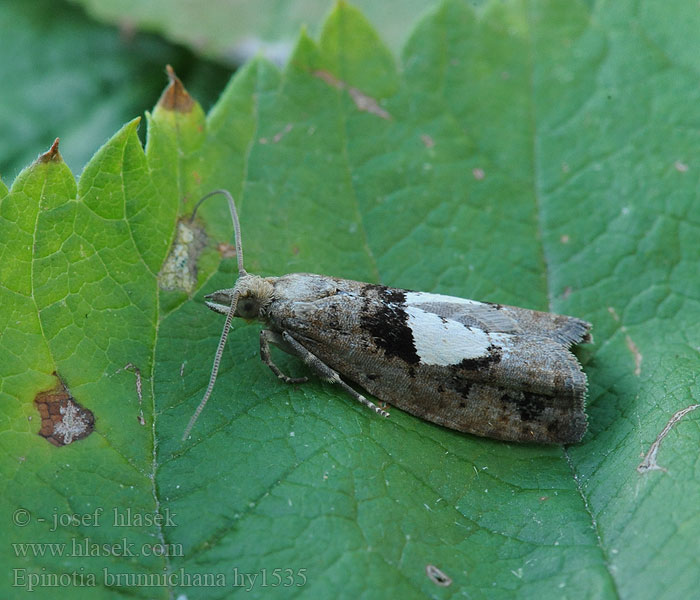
248, 308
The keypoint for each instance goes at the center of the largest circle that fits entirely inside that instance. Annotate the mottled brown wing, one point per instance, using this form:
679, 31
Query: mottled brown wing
516, 380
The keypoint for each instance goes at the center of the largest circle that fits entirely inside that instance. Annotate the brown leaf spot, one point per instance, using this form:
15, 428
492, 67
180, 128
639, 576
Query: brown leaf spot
52, 155
63, 420
363, 101
329, 79
226, 250
175, 96
428, 141
179, 271
632, 347
281, 134
367, 103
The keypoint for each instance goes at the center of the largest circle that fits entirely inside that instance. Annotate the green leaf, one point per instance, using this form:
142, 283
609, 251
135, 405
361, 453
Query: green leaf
234, 32
82, 92
536, 154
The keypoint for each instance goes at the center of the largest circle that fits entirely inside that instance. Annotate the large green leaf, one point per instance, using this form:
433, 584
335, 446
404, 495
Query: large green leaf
65, 75
541, 154
233, 32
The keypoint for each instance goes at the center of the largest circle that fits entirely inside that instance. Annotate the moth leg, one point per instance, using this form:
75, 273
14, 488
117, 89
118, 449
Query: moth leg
267, 336
326, 373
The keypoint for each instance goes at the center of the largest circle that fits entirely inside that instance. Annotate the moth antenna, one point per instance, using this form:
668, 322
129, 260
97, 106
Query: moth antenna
215, 366
231, 310
234, 218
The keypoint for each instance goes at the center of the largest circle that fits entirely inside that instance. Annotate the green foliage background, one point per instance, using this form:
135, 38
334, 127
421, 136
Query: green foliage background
541, 154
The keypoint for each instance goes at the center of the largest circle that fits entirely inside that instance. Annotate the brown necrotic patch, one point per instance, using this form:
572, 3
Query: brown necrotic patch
52, 155
175, 96
179, 270
226, 250
63, 420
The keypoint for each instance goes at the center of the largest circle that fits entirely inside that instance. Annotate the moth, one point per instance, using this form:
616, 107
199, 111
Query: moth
487, 369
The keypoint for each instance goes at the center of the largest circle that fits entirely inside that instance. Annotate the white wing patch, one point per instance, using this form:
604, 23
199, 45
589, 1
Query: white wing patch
477, 315
441, 341
418, 298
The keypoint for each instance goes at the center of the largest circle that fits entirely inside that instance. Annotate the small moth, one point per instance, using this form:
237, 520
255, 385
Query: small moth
487, 369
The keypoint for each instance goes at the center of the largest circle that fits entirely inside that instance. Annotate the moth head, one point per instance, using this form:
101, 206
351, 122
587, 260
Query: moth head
252, 295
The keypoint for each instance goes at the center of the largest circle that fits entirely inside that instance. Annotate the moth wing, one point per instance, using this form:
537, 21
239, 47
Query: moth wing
490, 370
502, 318
475, 314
